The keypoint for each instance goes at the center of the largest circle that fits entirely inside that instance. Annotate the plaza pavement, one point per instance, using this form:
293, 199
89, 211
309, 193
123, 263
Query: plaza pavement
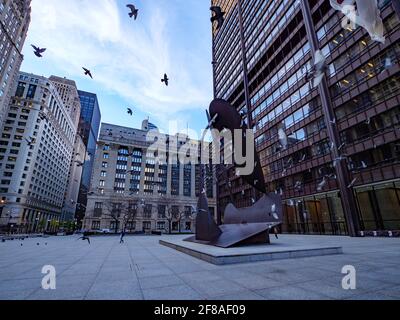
141, 268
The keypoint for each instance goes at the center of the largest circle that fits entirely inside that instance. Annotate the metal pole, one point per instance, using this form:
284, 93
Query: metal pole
245, 77
245, 71
216, 167
347, 196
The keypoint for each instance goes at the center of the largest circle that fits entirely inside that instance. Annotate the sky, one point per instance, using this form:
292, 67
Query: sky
128, 58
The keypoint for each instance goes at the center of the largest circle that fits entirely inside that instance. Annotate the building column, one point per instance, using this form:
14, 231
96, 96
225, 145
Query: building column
347, 195
244, 62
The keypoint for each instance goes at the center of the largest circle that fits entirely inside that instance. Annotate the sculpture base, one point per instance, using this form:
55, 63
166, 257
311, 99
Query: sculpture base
239, 234
279, 249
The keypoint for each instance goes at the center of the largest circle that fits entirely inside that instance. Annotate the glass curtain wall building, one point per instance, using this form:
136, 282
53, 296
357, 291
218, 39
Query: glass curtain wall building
89, 127
261, 57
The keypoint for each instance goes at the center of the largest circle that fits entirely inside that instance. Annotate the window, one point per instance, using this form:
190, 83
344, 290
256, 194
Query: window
104, 165
98, 205
146, 225
160, 225
95, 225
161, 211
31, 91
20, 89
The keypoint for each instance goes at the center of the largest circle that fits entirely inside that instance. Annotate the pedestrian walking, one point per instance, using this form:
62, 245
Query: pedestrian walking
276, 232
121, 239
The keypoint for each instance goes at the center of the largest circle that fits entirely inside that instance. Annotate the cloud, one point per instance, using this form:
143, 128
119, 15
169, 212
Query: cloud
127, 57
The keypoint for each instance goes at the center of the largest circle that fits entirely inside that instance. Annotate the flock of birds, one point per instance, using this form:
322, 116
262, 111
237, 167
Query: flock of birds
134, 12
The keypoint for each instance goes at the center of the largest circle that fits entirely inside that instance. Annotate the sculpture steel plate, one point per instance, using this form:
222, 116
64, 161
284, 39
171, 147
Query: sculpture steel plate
241, 225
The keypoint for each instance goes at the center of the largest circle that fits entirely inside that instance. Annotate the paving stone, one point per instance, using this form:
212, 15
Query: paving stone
143, 269
180, 292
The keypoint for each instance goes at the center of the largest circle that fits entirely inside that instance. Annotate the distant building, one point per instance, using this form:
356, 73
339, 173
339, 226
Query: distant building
36, 148
15, 16
69, 95
146, 125
89, 125
128, 183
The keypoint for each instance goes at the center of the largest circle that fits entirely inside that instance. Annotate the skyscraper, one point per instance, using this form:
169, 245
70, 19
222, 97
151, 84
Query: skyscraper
340, 172
36, 149
69, 95
89, 125
15, 16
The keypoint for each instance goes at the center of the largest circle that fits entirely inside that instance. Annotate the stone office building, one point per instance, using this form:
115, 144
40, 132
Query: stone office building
130, 188
36, 150
15, 17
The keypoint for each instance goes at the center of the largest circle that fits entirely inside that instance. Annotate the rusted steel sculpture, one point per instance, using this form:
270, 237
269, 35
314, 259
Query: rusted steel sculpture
241, 225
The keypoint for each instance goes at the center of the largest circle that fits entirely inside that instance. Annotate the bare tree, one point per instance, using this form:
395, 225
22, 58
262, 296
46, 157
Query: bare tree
174, 214
122, 213
129, 214
113, 211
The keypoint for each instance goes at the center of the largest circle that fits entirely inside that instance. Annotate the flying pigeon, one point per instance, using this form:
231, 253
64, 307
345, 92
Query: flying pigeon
364, 13
386, 64
165, 79
134, 11
298, 185
38, 51
130, 112
283, 139
87, 72
364, 165
322, 184
218, 16
211, 121
352, 183
79, 163
31, 141
318, 70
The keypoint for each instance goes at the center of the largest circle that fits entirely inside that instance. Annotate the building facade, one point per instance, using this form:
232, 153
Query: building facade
69, 95
15, 17
130, 188
340, 173
89, 125
36, 148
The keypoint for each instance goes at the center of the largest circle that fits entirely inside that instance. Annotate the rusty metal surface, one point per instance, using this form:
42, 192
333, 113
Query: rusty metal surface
206, 227
242, 225
228, 118
267, 209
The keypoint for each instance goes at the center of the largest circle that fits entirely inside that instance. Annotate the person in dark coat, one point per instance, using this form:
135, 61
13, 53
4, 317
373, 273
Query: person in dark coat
121, 239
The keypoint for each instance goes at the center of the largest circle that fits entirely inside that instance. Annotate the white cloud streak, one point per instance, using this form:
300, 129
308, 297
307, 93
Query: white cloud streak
127, 57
